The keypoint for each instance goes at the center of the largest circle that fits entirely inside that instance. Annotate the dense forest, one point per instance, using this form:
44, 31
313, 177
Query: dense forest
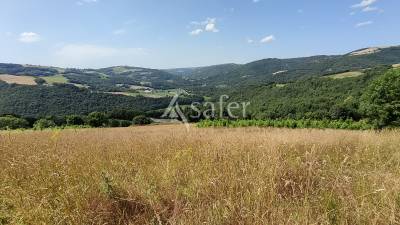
63, 99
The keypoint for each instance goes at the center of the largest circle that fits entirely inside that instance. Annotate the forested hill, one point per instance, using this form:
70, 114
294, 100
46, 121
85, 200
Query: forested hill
284, 70
312, 87
106, 79
197, 73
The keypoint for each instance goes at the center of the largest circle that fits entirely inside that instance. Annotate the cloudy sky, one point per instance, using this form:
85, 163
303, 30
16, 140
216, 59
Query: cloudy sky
185, 33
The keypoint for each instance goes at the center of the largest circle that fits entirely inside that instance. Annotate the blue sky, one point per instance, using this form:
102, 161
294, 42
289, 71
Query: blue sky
186, 33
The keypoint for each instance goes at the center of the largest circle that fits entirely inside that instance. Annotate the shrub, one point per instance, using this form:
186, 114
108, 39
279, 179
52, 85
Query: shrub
44, 124
74, 120
123, 114
141, 120
290, 123
10, 122
96, 119
40, 81
119, 123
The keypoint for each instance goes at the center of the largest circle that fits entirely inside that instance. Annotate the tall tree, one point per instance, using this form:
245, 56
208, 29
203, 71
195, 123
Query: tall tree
381, 101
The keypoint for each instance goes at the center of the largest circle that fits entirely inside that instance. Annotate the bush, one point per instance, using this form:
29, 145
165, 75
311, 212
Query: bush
40, 81
123, 114
119, 123
125, 123
44, 124
290, 123
74, 120
141, 120
97, 119
10, 122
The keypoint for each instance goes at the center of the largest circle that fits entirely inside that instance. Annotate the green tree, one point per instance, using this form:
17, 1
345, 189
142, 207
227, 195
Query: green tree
74, 120
43, 124
97, 119
141, 120
40, 81
381, 101
11, 122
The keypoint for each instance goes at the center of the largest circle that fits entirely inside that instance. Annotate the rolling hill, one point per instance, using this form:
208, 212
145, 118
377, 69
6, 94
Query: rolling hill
285, 70
296, 87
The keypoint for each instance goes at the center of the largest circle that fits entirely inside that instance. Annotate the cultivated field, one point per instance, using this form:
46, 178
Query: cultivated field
12, 79
56, 79
166, 175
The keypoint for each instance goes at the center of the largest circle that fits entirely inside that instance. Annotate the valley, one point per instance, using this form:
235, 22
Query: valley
317, 87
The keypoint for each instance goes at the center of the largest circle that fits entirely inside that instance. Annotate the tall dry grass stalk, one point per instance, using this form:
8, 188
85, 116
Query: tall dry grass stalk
165, 175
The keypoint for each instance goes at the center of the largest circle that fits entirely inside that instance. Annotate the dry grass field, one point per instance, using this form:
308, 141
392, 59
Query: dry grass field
166, 175
12, 79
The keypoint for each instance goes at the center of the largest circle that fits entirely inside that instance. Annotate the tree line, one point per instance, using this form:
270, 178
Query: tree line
115, 118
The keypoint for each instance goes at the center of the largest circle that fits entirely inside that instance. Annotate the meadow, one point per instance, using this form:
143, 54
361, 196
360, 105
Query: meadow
167, 175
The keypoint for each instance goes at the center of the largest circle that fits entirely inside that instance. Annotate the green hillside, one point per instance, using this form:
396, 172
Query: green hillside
285, 70
199, 73
317, 87
61, 100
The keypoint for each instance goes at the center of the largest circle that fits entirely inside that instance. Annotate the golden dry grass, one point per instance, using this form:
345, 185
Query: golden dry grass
166, 175
12, 79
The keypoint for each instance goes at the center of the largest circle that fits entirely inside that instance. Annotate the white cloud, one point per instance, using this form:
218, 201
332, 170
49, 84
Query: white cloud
211, 28
370, 9
208, 25
249, 40
364, 3
196, 32
29, 37
255, 1
82, 2
82, 55
268, 39
363, 24
119, 32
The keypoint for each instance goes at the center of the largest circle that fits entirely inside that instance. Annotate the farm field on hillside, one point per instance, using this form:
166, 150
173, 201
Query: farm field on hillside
12, 79
56, 79
168, 175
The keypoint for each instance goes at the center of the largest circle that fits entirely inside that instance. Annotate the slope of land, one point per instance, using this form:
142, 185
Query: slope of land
166, 175
276, 87
287, 70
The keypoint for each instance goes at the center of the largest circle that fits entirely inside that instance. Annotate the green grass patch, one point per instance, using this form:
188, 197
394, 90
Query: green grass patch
60, 79
346, 75
280, 85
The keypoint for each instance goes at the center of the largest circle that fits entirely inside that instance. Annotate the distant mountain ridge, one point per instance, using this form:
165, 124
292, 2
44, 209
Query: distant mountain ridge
261, 71
284, 70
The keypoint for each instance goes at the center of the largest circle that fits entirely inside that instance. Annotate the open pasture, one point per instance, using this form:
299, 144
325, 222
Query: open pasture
168, 175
